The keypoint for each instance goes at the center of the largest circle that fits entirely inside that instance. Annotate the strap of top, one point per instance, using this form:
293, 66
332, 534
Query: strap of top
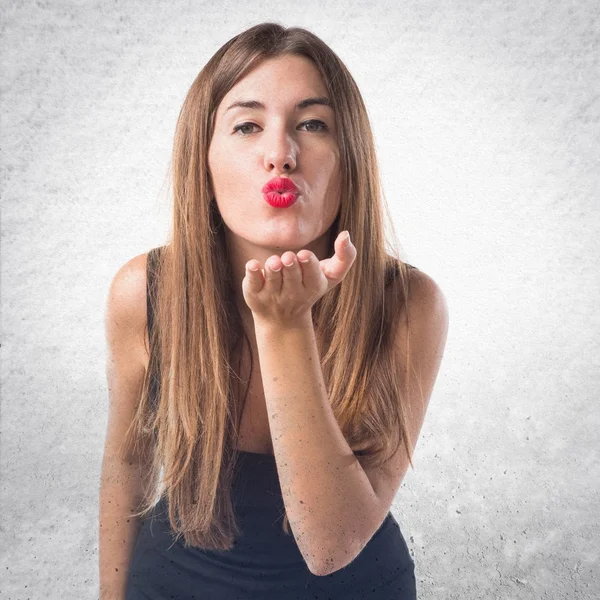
150, 298
150, 287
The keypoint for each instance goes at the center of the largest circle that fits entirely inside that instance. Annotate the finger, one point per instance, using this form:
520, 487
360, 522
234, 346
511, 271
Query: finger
254, 278
292, 272
311, 272
273, 274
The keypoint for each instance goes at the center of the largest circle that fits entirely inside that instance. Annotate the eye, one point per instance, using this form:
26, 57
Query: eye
237, 129
315, 122
323, 127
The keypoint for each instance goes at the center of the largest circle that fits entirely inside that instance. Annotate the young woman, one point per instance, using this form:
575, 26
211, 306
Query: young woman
268, 376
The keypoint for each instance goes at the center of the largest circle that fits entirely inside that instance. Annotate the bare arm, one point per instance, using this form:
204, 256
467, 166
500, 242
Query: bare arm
122, 478
328, 497
333, 504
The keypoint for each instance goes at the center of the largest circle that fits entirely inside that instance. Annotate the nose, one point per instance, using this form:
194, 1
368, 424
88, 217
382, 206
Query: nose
280, 152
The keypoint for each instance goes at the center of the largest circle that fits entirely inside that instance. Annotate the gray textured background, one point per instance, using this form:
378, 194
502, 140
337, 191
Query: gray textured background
486, 116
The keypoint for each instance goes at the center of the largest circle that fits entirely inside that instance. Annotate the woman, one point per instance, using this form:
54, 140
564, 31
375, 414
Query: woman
260, 432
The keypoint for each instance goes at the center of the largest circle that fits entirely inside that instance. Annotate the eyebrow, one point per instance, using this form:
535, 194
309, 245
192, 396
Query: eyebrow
255, 104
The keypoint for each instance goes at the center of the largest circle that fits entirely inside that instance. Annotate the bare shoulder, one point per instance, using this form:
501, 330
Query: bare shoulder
427, 310
127, 293
425, 293
126, 367
126, 313
425, 297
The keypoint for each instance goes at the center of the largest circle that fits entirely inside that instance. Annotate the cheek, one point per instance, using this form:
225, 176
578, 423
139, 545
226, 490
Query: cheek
210, 163
333, 163
218, 168
334, 173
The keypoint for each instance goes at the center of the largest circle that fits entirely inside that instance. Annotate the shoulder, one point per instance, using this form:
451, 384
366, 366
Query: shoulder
425, 294
126, 308
128, 287
427, 310
425, 305
422, 294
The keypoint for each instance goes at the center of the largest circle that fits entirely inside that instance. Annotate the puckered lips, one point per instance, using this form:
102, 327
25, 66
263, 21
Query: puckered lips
280, 192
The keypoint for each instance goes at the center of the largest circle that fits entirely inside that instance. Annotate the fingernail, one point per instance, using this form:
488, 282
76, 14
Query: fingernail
346, 238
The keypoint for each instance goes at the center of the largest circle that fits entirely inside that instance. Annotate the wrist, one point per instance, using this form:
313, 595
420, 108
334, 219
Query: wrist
270, 326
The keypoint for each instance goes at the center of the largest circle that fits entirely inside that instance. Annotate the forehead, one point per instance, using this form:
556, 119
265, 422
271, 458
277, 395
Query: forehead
284, 80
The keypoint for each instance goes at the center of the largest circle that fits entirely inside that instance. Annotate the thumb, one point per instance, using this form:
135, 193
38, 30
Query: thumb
339, 264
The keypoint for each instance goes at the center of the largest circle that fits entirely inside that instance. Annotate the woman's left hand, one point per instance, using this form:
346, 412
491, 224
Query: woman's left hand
283, 295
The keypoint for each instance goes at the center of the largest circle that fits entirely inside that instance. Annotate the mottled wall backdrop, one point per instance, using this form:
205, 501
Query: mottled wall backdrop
486, 116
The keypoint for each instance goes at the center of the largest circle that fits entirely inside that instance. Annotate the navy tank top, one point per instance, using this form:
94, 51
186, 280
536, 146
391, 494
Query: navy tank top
265, 563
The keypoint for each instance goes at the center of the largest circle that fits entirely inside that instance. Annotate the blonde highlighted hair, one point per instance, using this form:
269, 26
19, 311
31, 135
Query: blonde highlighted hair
191, 429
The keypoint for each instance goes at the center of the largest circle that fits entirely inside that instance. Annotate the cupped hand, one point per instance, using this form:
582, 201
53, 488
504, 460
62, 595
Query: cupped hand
284, 291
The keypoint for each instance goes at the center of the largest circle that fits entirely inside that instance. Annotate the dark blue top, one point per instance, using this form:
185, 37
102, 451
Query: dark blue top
265, 563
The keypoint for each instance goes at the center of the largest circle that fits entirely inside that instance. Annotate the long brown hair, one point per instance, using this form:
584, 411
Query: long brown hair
197, 329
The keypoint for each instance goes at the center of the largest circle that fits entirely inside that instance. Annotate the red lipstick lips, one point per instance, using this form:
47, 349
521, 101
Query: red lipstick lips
280, 192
